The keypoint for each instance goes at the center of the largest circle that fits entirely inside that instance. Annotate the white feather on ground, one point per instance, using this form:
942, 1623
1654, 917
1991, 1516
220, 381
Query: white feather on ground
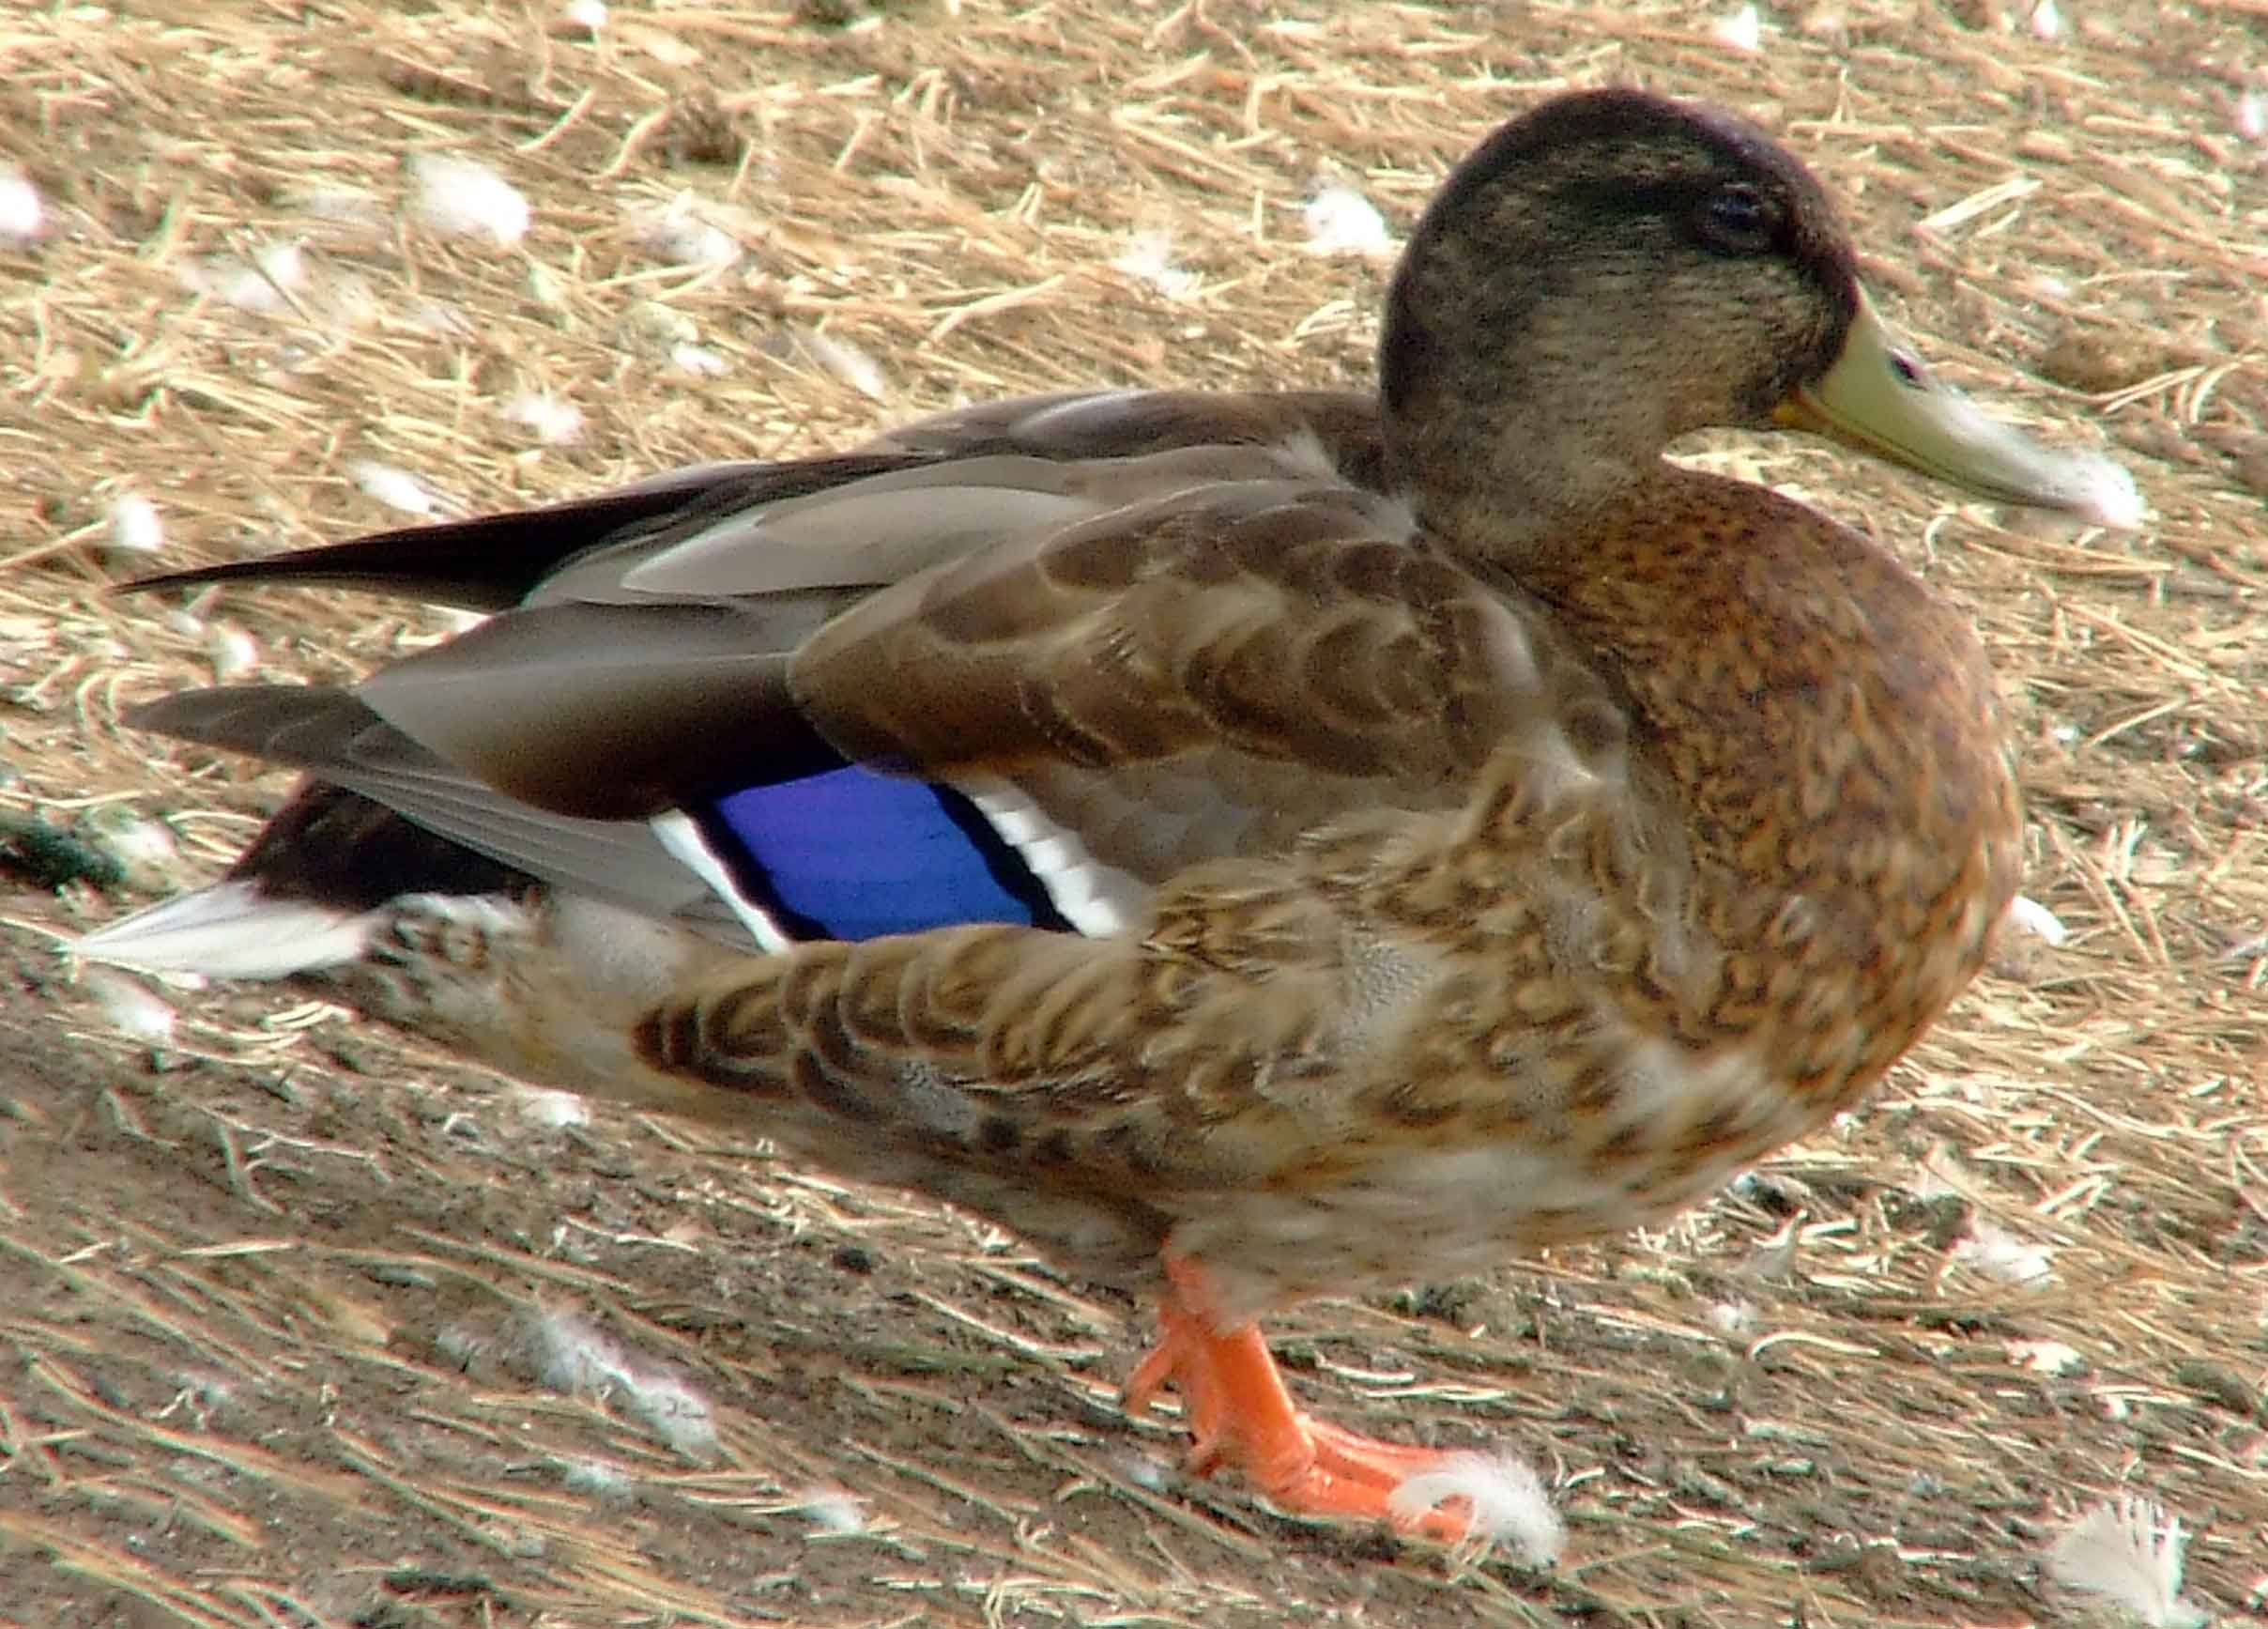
1510, 1505
2129, 1552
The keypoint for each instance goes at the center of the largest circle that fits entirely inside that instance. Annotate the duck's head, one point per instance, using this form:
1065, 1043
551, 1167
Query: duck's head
1614, 270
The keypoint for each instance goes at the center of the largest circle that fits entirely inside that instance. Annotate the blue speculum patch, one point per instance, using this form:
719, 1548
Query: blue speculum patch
849, 854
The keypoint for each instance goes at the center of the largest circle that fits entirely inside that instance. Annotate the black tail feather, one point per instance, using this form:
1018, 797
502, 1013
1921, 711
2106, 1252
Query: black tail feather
495, 561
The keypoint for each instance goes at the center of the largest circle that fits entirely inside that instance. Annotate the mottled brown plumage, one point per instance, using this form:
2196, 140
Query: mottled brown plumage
1460, 830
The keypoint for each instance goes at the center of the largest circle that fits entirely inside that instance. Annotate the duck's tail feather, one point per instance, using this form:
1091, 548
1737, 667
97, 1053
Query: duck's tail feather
235, 928
384, 817
307, 894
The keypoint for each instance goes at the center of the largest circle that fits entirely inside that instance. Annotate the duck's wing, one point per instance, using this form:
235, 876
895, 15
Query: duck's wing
1097, 698
990, 683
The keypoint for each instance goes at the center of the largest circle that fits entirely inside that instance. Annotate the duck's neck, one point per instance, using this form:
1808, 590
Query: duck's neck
1515, 504
1515, 443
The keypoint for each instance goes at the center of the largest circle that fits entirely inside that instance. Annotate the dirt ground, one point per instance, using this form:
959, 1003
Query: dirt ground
304, 1327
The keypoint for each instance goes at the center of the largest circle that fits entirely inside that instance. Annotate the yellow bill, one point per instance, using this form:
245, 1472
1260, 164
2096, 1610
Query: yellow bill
1879, 398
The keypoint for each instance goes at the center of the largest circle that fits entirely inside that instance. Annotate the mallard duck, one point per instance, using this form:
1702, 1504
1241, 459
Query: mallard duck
1254, 846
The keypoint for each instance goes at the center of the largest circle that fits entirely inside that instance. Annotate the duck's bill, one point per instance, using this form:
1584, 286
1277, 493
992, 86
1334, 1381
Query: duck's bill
1879, 398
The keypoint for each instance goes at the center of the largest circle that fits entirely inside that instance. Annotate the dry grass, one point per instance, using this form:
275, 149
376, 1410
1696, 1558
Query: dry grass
282, 1299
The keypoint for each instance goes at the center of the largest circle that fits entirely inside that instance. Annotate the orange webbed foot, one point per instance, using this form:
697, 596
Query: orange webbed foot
1242, 1417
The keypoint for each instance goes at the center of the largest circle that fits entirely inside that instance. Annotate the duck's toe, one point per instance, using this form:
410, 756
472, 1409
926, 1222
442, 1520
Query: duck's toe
1241, 1418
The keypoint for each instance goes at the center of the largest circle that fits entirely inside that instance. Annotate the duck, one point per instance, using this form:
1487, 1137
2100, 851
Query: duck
1252, 846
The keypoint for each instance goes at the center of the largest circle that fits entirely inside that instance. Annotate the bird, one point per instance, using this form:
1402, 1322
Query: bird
1253, 845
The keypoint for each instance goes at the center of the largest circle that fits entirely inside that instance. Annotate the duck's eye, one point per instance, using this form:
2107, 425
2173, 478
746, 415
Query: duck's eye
1739, 220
